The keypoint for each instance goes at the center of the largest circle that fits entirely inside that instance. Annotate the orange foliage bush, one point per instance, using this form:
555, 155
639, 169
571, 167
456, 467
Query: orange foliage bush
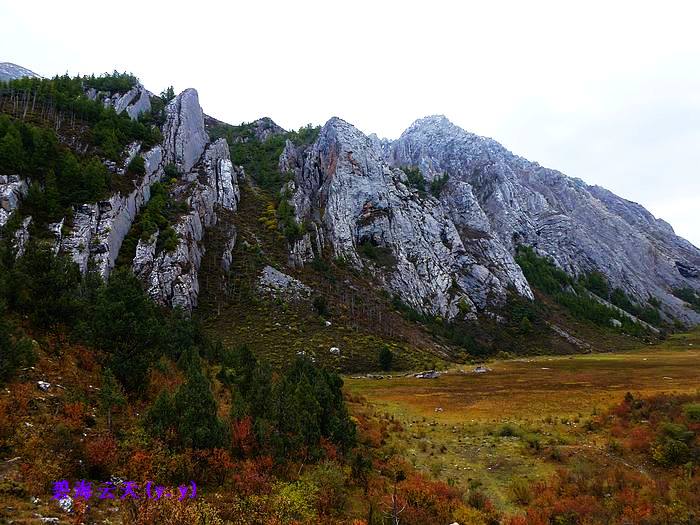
101, 455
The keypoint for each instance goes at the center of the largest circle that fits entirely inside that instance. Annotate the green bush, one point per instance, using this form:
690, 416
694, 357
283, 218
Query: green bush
386, 358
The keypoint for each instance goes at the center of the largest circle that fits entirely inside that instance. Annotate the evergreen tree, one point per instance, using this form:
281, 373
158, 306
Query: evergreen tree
198, 425
111, 395
12, 155
386, 358
161, 417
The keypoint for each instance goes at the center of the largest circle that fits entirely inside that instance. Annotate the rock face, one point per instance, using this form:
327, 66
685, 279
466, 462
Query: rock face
184, 136
135, 101
98, 229
171, 277
274, 283
10, 71
494, 194
360, 208
12, 190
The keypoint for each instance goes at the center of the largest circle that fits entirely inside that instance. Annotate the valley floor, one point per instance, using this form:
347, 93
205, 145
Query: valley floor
489, 430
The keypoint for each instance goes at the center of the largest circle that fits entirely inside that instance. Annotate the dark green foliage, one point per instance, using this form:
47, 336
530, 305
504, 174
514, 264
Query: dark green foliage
59, 178
113, 83
688, 295
541, 273
291, 414
127, 325
415, 178
15, 352
44, 287
457, 332
597, 283
157, 216
386, 358
171, 171
287, 218
320, 305
137, 166
380, 255
437, 184
161, 417
109, 132
260, 159
111, 395
196, 420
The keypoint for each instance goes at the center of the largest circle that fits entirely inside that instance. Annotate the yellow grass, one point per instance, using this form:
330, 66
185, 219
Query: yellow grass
454, 424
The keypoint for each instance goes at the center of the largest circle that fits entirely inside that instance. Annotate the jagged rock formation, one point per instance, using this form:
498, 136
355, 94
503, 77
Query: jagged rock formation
171, 277
361, 209
98, 229
135, 101
184, 136
582, 228
10, 71
12, 189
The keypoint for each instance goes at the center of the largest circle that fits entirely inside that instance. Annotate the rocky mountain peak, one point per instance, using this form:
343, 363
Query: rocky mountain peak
10, 71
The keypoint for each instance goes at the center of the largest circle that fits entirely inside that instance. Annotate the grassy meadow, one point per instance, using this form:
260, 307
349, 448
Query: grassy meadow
495, 430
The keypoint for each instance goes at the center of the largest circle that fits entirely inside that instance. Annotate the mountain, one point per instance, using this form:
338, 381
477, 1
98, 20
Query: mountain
10, 71
444, 226
456, 248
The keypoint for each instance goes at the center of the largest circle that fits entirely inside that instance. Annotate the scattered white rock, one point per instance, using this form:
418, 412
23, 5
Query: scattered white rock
43, 385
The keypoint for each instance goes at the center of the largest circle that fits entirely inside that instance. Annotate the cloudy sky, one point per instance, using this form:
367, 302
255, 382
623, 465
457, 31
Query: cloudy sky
607, 91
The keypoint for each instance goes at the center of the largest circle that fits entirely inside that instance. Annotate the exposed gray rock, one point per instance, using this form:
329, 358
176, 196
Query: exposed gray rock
274, 283
581, 227
575, 341
135, 101
22, 237
10, 71
98, 229
352, 197
171, 277
184, 136
265, 127
12, 190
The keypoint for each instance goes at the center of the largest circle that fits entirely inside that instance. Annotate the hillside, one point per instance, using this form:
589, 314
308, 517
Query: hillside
179, 297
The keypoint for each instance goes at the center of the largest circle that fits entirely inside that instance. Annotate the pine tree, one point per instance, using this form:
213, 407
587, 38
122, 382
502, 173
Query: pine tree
386, 358
198, 425
12, 156
111, 395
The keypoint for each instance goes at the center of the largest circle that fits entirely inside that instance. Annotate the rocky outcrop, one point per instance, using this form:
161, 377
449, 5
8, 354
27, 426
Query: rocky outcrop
135, 101
98, 229
275, 284
494, 194
171, 277
184, 136
361, 209
265, 127
21, 237
12, 190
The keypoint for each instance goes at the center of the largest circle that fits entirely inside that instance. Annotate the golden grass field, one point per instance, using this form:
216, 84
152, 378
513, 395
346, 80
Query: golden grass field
460, 426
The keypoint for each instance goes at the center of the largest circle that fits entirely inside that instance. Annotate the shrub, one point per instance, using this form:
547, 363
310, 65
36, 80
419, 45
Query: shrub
137, 166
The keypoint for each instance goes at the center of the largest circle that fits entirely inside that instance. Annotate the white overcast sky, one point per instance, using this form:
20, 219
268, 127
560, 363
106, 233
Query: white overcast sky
605, 91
